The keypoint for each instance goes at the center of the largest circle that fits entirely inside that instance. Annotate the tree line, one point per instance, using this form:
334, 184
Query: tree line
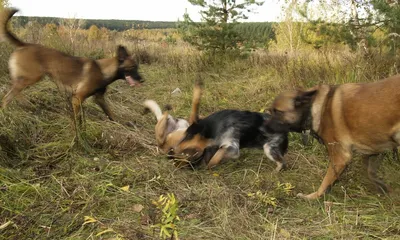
113, 24
254, 33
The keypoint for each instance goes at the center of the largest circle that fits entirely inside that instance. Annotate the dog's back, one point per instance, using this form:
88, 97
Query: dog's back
230, 130
245, 126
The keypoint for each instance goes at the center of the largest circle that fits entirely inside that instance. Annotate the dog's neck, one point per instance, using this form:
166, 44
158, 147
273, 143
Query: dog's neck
308, 127
317, 109
109, 68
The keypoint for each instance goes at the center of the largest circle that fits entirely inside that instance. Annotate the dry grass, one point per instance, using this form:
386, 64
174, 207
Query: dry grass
48, 184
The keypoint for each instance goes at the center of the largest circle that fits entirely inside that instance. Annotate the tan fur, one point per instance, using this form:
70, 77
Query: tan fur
80, 77
198, 142
217, 158
166, 139
361, 117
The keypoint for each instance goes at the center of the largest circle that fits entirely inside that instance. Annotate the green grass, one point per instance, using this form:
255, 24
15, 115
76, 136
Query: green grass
48, 184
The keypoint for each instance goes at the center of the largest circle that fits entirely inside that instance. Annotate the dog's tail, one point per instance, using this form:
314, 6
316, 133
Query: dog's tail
154, 108
5, 34
197, 91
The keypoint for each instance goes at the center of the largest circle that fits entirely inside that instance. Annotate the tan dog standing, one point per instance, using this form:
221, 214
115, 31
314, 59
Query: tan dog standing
81, 77
361, 117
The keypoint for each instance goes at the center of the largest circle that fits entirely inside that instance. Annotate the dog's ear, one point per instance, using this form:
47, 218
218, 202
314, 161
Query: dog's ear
122, 54
304, 97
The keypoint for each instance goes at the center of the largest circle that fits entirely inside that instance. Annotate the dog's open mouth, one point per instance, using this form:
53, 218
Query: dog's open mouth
132, 82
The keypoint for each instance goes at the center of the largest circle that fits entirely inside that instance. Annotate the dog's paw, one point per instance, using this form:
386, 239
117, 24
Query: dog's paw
311, 196
280, 166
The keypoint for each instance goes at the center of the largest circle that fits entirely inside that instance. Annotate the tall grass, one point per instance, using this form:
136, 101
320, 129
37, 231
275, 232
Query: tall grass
51, 188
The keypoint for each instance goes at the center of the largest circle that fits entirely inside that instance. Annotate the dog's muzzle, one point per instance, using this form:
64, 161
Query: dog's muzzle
189, 155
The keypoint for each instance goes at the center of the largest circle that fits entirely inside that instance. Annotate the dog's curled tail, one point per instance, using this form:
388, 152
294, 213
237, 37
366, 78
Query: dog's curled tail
154, 108
6, 35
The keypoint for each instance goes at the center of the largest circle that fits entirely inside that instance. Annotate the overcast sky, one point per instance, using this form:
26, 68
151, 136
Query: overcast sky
153, 10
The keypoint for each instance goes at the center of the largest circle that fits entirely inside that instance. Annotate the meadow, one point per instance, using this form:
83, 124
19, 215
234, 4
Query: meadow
105, 182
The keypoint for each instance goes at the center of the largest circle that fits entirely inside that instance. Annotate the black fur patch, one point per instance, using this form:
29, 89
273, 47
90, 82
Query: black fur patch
249, 129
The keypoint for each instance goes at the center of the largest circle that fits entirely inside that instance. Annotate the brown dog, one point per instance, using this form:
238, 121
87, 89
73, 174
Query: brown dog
81, 77
364, 117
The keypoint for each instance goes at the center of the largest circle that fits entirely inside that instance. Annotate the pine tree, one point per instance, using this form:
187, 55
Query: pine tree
216, 32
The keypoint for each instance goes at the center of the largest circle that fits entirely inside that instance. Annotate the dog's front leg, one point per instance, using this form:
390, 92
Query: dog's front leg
218, 156
100, 100
339, 158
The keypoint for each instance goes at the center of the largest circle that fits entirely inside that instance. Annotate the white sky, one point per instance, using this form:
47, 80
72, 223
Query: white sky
153, 10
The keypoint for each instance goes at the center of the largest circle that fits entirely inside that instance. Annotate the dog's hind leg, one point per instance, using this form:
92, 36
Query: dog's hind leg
100, 100
372, 163
10, 95
19, 84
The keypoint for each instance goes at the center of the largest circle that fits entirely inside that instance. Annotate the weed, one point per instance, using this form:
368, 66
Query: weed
169, 218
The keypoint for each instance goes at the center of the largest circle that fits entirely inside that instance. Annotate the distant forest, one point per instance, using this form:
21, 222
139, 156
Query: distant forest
118, 25
254, 32
121, 25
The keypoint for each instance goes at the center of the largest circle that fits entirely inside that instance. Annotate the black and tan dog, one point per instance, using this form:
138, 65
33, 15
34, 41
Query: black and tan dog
361, 117
225, 132
82, 77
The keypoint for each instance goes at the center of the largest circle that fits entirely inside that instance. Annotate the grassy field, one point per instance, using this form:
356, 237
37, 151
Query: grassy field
105, 186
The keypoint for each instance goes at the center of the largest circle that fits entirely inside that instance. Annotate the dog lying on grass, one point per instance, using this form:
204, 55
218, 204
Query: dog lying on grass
80, 77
